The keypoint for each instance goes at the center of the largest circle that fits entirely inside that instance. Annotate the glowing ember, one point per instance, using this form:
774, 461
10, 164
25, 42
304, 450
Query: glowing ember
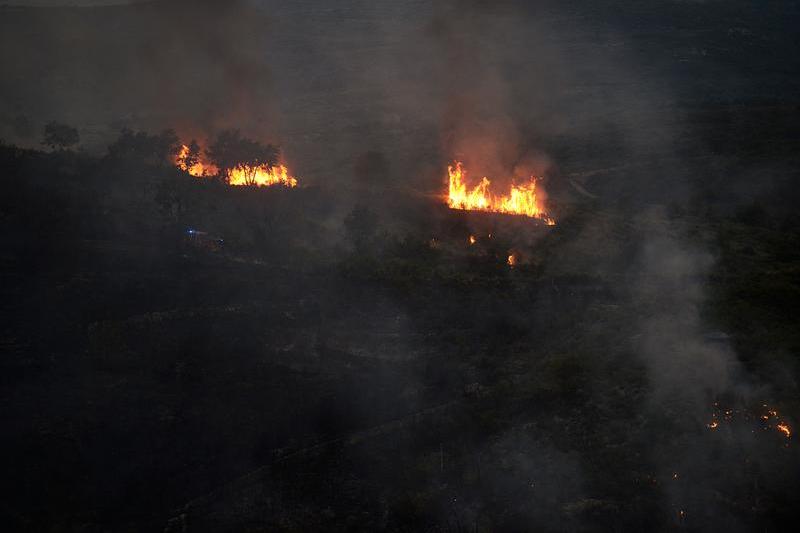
521, 200
512, 260
472, 239
766, 419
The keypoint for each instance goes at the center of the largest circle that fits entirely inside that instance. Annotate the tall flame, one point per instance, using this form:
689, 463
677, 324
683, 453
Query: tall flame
198, 169
521, 200
262, 176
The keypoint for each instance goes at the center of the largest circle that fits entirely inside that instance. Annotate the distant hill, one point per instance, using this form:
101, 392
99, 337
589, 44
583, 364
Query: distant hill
322, 78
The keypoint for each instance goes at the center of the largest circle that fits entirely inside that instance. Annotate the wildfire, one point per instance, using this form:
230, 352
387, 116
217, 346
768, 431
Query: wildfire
767, 419
196, 168
521, 200
260, 176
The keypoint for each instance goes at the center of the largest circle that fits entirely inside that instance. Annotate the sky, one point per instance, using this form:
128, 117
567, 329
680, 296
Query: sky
51, 3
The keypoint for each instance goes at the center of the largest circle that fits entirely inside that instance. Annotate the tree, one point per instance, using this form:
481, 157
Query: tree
167, 145
60, 136
192, 156
169, 198
230, 150
144, 147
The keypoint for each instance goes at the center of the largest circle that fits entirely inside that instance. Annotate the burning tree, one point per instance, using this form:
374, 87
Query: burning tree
239, 159
235, 160
192, 160
189, 156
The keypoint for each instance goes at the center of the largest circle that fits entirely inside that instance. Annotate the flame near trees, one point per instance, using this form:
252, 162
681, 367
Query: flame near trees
521, 200
261, 176
240, 161
190, 159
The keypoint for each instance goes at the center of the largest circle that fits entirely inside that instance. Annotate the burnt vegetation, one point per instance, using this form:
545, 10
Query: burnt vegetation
375, 372
179, 354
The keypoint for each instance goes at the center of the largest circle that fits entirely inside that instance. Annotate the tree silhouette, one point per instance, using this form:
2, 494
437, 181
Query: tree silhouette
230, 150
189, 156
192, 156
60, 136
145, 148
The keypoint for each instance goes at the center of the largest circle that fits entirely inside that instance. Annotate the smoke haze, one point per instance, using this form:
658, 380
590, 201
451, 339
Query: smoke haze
378, 373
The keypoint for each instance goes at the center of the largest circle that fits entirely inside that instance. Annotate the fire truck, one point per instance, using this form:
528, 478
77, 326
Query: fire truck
203, 240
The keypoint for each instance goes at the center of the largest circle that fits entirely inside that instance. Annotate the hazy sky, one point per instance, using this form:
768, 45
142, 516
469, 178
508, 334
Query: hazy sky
47, 3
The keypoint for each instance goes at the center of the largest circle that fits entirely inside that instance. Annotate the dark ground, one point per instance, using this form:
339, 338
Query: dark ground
333, 368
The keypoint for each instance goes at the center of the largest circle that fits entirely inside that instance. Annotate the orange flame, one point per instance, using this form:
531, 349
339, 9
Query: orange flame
766, 419
521, 200
262, 176
198, 169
